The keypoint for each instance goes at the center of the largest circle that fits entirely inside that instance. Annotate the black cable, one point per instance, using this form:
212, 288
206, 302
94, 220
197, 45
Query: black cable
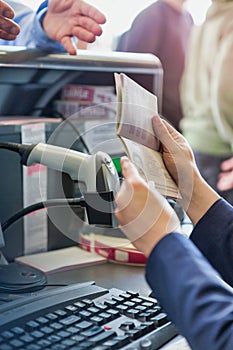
42, 205
11, 146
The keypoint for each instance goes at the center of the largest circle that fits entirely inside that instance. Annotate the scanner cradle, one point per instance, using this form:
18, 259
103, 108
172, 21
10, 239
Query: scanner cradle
100, 182
18, 278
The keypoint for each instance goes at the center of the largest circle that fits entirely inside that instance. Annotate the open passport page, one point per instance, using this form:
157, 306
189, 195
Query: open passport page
135, 109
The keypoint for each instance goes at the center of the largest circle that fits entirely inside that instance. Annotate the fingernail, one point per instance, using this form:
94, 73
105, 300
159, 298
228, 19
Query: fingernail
156, 119
14, 31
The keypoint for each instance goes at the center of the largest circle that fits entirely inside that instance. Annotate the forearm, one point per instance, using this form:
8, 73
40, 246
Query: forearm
192, 293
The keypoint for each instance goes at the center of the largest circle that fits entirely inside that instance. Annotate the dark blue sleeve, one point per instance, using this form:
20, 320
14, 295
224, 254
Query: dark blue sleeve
192, 293
213, 235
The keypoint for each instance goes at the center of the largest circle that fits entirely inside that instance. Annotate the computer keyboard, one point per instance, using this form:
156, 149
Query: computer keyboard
84, 316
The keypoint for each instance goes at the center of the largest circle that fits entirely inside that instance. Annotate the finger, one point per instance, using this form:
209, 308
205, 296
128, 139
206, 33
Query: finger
68, 45
129, 170
164, 131
84, 34
6, 36
227, 164
86, 27
8, 26
6, 10
124, 196
92, 12
161, 131
225, 182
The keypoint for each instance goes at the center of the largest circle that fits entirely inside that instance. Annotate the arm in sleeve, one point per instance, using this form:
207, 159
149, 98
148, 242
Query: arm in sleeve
32, 34
192, 293
213, 235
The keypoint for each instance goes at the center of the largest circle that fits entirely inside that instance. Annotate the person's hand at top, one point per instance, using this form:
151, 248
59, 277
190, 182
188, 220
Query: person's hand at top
8, 28
197, 195
72, 18
144, 214
225, 179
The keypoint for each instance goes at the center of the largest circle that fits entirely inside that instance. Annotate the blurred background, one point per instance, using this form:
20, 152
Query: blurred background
120, 14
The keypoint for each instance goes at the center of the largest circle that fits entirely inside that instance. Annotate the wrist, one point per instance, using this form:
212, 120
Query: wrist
202, 198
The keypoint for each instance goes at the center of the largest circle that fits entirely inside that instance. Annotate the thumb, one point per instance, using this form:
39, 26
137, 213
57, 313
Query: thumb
166, 133
129, 171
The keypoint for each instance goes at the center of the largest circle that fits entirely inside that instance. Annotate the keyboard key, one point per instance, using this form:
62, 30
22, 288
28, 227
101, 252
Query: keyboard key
144, 316
97, 320
63, 334
101, 306
93, 310
132, 293
86, 345
31, 326
129, 303
33, 347
121, 308
58, 347
56, 325
133, 333
42, 320
16, 343
126, 296
78, 338
114, 313
51, 316
61, 313
70, 320
121, 340
110, 302
102, 337
147, 304
68, 342
80, 305
6, 347
71, 308
44, 343
137, 300
88, 302
85, 314
92, 331
127, 325
106, 316
37, 334
84, 325
17, 330
7, 335
133, 313
118, 299
160, 319
47, 330
54, 338
73, 330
